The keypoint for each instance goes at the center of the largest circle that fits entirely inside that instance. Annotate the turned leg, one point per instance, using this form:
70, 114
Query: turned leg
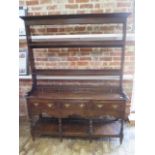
60, 128
40, 116
32, 129
121, 132
90, 129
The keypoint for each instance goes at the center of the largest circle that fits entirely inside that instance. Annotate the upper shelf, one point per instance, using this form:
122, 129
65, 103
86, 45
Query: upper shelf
76, 19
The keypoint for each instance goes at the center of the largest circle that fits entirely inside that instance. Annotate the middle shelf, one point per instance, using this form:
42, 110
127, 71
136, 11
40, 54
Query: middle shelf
77, 43
78, 72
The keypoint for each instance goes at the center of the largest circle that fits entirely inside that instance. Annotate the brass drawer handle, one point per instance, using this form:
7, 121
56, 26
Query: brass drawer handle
50, 105
67, 105
115, 106
82, 105
36, 104
99, 105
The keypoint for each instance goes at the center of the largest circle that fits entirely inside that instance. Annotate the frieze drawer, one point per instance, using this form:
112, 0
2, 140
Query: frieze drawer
103, 108
48, 107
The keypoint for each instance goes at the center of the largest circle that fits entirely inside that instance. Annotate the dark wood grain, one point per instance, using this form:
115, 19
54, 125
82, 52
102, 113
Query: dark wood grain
84, 103
78, 128
73, 43
76, 88
76, 19
78, 72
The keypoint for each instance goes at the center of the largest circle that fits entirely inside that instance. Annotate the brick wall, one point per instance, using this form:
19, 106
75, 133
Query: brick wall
79, 57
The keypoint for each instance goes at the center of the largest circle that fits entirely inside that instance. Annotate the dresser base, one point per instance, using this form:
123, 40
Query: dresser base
78, 128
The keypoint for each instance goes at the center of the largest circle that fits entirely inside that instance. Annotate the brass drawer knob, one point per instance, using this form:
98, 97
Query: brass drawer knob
82, 105
50, 105
67, 105
99, 105
115, 106
36, 104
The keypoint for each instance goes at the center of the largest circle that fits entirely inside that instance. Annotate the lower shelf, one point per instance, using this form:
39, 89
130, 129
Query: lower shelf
77, 128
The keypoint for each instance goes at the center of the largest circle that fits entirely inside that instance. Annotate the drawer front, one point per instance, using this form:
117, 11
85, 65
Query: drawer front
48, 107
103, 108
79, 108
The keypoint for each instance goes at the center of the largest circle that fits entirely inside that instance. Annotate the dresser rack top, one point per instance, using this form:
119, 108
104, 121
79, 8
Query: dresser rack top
76, 19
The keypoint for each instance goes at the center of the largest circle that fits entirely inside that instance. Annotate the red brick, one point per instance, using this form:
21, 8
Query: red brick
97, 6
130, 43
33, 30
54, 12
82, 63
64, 63
115, 58
51, 7
95, 0
123, 4
81, 11
41, 30
31, 13
51, 54
82, 1
115, 63
21, 3
106, 58
41, 59
129, 53
63, 53
96, 64
72, 58
105, 64
52, 29
122, 9
73, 63
51, 64
85, 53
22, 45
80, 28
22, 109
32, 2
128, 63
73, 49
39, 13
71, 6
36, 8
85, 58
97, 11
61, 29
71, 1
84, 6
69, 29
44, 1
53, 50
86, 49
115, 54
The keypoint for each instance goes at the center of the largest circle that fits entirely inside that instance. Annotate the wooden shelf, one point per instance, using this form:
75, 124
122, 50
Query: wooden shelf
78, 72
76, 19
73, 94
77, 43
47, 126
